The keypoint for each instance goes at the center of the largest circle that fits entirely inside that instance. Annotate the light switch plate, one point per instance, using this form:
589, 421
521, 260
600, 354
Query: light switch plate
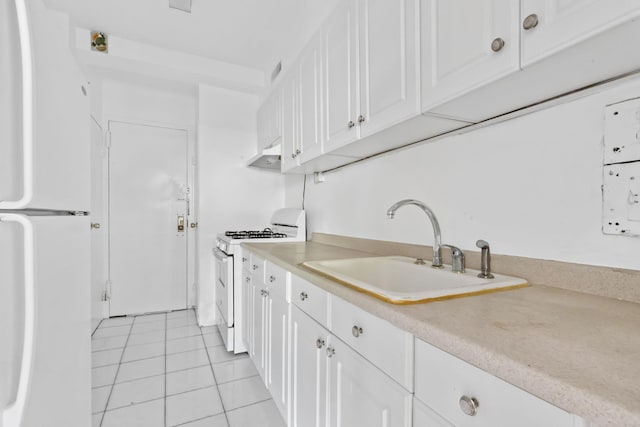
622, 132
621, 199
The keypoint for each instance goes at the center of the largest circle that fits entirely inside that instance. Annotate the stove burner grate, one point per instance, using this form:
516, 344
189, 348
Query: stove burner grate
267, 233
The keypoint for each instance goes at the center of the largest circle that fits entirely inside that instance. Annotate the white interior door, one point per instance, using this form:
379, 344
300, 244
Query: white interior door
147, 203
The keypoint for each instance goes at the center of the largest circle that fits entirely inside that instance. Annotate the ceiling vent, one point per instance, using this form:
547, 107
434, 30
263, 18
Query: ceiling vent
276, 71
183, 5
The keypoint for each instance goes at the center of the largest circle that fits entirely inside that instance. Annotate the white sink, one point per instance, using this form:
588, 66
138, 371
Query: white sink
399, 280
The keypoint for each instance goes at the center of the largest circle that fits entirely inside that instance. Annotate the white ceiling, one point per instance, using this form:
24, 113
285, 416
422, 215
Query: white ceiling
251, 33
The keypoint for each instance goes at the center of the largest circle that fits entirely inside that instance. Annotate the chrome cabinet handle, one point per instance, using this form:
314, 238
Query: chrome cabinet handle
331, 351
266, 293
356, 331
497, 44
319, 343
254, 267
95, 225
350, 124
293, 155
361, 119
298, 151
469, 405
244, 259
303, 296
262, 292
193, 225
272, 279
247, 279
530, 22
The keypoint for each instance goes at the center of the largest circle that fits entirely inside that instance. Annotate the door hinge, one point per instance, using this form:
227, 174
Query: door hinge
107, 140
106, 295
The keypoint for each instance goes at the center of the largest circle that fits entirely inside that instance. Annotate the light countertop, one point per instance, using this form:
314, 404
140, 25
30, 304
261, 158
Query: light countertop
577, 351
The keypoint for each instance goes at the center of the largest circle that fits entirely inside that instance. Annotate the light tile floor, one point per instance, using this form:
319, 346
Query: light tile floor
162, 370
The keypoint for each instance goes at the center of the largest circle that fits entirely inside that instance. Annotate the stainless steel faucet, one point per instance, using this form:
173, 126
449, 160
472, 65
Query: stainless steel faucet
437, 251
485, 260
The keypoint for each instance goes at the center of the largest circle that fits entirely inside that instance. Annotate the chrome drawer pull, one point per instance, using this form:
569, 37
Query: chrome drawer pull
469, 405
319, 343
303, 296
356, 331
272, 279
330, 351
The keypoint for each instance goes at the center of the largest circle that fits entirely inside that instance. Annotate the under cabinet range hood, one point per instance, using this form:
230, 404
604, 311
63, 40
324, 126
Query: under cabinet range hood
269, 158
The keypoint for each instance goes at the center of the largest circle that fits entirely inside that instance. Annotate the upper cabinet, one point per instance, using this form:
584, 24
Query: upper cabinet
466, 44
553, 25
388, 62
359, 86
483, 59
270, 120
340, 79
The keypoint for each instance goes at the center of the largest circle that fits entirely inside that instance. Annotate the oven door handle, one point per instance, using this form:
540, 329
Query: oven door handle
220, 255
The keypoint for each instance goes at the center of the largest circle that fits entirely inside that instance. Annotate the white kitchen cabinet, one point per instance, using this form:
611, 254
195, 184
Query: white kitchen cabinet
450, 386
563, 23
425, 416
389, 35
308, 371
329, 379
269, 126
389, 348
258, 323
340, 78
247, 310
277, 333
564, 45
290, 122
362, 395
309, 143
465, 45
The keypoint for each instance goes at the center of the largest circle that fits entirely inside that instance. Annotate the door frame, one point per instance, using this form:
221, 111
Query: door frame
192, 217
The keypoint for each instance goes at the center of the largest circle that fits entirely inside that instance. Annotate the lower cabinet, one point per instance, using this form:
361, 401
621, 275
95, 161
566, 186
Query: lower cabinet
332, 385
320, 380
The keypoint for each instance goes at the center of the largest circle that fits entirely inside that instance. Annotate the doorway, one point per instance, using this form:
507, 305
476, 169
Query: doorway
148, 218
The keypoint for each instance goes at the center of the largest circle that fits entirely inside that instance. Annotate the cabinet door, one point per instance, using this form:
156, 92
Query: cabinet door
339, 57
276, 373
259, 328
388, 49
310, 144
247, 311
562, 23
466, 45
308, 371
289, 121
362, 395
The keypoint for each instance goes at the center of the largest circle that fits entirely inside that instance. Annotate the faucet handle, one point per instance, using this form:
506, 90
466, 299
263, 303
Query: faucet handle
457, 259
485, 260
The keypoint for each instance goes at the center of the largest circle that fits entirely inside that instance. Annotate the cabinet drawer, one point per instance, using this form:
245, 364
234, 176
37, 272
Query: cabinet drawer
310, 299
443, 381
386, 346
276, 279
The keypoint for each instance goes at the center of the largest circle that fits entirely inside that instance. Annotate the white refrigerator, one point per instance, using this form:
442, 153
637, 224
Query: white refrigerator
45, 344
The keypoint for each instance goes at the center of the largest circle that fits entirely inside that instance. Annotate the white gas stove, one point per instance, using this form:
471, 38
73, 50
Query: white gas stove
287, 225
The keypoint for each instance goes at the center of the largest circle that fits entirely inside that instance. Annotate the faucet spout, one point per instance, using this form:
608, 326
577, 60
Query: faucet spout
437, 239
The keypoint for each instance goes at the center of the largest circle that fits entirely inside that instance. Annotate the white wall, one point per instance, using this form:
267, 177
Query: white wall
530, 186
232, 196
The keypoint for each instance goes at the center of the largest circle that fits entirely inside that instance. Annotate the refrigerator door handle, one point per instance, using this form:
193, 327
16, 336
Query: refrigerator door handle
27, 109
13, 414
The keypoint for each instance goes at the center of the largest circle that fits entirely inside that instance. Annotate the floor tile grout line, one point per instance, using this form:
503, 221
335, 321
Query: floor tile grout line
199, 419
250, 404
215, 379
238, 379
106, 405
